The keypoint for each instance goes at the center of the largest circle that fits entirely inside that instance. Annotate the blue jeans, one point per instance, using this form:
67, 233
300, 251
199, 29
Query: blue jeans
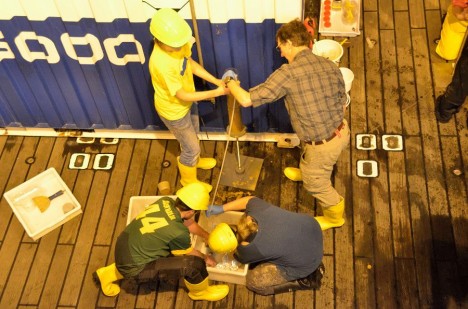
185, 131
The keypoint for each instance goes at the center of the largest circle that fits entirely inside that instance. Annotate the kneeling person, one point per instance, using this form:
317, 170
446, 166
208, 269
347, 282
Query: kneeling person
284, 249
158, 240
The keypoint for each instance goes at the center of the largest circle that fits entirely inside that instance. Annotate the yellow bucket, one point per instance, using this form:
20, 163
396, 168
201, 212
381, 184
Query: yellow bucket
451, 36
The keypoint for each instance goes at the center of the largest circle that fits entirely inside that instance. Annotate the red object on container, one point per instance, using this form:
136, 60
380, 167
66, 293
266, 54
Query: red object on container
310, 25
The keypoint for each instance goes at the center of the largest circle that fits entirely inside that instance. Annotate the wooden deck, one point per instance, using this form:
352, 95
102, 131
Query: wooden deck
405, 241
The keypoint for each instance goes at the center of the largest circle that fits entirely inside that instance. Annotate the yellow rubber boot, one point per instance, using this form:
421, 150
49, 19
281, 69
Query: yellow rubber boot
332, 216
204, 291
188, 174
293, 173
206, 163
106, 276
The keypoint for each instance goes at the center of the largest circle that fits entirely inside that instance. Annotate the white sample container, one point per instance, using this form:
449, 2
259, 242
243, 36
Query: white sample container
61, 209
330, 49
348, 77
225, 275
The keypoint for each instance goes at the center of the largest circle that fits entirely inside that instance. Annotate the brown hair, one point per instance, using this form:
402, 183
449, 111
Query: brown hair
246, 227
294, 31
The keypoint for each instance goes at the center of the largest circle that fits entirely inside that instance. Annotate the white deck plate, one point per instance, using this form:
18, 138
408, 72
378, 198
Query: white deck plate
366, 141
367, 168
79, 161
103, 161
392, 142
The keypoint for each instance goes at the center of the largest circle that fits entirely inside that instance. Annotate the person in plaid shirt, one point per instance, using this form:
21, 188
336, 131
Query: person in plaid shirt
314, 94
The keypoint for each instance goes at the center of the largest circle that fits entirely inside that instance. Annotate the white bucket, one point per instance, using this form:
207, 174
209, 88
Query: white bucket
329, 49
348, 77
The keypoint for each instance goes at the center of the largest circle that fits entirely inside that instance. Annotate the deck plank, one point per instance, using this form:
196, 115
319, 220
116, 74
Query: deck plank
19, 273
420, 219
84, 240
15, 232
9, 155
416, 9
52, 290
385, 14
365, 283
383, 251
133, 183
406, 278
457, 198
401, 225
441, 225
325, 297
113, 199
407, 100
153, 171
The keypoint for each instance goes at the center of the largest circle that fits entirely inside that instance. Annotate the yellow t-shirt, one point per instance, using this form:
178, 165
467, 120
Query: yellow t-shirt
169, 73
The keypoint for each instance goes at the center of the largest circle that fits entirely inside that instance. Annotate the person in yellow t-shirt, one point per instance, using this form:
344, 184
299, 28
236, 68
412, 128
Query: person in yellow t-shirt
172, 69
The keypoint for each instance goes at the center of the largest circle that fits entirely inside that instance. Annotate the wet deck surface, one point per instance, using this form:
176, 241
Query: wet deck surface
404, 244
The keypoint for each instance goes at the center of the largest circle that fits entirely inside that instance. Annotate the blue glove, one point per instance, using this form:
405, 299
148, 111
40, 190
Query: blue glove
214, 210
229, 74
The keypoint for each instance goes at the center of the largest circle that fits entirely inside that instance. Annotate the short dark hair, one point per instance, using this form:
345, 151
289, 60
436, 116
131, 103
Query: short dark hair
181, 205
294, 31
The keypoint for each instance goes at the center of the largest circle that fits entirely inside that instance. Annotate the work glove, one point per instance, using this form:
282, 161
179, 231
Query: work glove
229, 74
214, 210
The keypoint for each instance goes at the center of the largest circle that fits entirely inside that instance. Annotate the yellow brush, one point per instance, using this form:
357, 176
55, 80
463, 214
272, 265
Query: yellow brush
43, 202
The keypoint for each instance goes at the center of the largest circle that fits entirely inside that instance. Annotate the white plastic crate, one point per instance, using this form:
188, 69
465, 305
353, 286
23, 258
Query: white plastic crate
331, 21
209, 223
138, 204
61, 209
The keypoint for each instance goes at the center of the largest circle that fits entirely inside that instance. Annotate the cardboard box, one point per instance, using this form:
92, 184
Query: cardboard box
138, 204
61, 209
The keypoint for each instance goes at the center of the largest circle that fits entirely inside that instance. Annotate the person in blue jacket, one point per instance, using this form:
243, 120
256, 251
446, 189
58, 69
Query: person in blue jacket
284, 249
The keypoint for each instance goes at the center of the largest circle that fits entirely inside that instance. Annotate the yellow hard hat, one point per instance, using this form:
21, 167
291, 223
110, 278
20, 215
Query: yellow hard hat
222, 239
194, 195
168, 27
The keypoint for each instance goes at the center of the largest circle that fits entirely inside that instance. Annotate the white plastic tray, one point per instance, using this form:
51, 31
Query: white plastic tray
61, 209
338, 27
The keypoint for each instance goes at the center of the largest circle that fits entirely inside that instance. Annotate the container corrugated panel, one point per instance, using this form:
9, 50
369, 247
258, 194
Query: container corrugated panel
84, 63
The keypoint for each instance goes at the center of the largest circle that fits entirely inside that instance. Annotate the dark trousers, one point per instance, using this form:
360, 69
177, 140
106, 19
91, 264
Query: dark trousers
191, 268
455, 94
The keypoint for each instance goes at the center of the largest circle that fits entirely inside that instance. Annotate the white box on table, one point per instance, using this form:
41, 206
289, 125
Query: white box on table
62, 208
